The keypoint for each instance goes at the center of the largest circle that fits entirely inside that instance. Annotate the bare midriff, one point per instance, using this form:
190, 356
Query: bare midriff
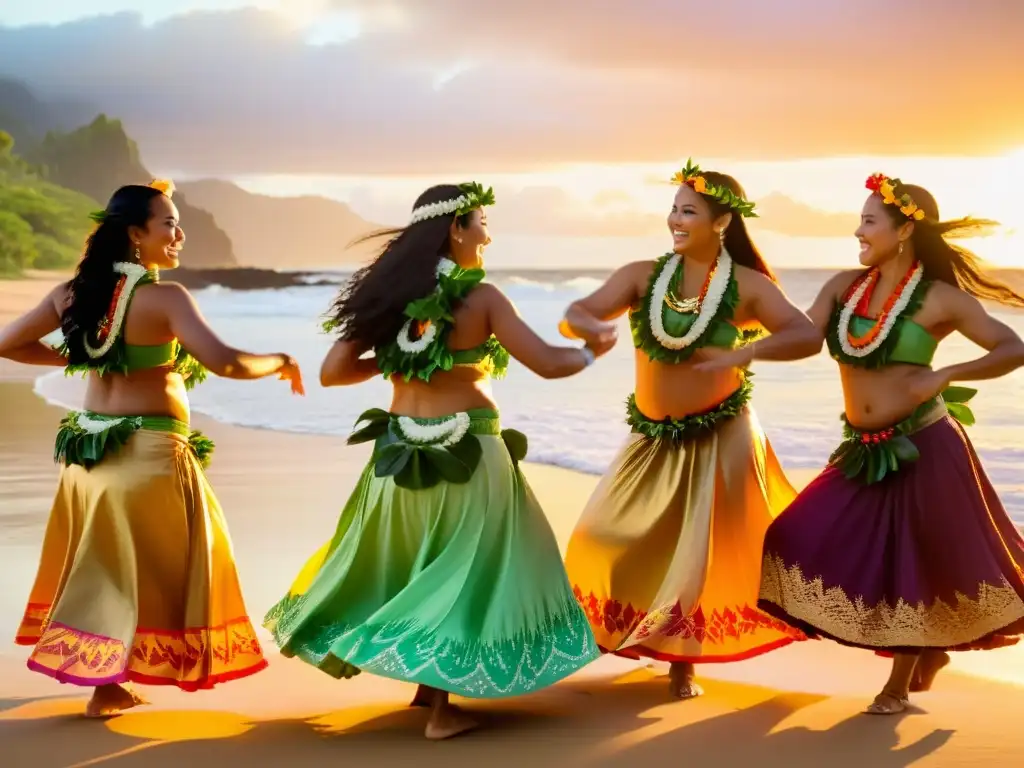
461, 389
145, 392
878, 398
676, 390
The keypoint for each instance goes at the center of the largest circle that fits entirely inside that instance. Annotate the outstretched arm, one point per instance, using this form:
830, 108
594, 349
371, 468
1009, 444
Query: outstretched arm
792, 335
343, 366
546, 360
188, 325
967, 315
20, 341
590, 316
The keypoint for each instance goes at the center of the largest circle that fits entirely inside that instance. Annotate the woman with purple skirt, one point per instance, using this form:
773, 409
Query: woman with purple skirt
901, 545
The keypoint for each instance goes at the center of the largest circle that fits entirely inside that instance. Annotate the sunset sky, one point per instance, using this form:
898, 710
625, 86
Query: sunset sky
574, 110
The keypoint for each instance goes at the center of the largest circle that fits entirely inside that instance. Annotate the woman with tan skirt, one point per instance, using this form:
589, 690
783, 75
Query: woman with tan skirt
666, 556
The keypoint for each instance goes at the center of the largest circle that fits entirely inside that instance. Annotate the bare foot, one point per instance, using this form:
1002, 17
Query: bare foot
447, 721
110, 700
928, 666
423, 697
887, 704
681, 682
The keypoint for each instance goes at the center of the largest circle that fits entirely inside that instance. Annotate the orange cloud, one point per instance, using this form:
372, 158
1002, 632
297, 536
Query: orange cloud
536, 84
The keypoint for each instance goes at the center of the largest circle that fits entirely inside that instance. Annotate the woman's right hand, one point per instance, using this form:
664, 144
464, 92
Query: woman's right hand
602, 339
289, 371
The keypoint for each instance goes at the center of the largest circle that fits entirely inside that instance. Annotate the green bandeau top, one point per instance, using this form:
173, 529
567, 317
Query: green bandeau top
139, 357
489, 355
722, 334
914, 345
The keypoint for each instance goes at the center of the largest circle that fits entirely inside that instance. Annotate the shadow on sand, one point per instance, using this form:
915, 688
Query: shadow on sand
596, 723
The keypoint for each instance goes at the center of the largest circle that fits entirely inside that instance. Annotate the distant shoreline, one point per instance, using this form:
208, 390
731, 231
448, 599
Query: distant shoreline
259, 279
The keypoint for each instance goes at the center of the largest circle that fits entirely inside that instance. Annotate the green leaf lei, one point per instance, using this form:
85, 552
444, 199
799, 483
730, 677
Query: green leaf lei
437, 308
873, 456
640, 318
76, 445
695, 425
116, 359
418, 466
881, 356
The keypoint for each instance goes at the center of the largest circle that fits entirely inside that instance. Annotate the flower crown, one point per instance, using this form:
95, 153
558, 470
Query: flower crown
473, 196
691, 177
166, 186
886, 187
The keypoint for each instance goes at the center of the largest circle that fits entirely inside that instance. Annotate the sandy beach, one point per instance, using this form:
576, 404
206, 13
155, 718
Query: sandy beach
795, 707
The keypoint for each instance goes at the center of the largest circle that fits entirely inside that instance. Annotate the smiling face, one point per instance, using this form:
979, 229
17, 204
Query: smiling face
692, 224
878, 234
468, 242
161, 240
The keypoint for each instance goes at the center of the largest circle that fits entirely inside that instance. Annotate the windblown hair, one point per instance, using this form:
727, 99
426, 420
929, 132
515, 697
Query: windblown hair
370, 308
944, 261
92, 288
737, 239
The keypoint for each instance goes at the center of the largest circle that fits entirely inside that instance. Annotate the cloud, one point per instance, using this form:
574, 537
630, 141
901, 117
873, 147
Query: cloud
466, 87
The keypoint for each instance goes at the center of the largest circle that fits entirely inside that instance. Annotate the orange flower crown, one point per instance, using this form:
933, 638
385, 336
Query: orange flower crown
886, 187
691, 177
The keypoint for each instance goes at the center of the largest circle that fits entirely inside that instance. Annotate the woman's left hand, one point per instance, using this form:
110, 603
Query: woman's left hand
714, 360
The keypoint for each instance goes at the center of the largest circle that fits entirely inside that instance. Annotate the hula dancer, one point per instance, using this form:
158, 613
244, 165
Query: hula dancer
443, 571
901, 545
137, 580
666, 556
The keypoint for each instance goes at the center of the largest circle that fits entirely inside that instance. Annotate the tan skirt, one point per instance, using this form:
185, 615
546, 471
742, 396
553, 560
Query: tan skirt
666, 557
137, 577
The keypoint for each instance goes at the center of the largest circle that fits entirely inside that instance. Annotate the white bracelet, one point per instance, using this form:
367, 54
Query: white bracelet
588, 356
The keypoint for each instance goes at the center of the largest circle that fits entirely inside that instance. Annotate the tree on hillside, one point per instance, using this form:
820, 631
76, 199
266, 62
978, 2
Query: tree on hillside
17, 246
95, 159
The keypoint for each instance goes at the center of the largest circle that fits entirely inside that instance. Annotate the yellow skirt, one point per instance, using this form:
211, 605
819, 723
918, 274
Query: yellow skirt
666, 557
137, 579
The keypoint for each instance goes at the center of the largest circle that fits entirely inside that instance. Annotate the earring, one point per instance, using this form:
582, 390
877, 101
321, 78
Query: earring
138, 255
458, 239
721, 235
899, 251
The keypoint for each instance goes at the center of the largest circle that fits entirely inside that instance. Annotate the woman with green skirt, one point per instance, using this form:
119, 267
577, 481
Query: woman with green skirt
443, 570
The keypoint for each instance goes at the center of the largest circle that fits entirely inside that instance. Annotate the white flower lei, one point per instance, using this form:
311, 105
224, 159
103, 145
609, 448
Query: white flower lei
405, 340
94, 426
716, 292
442, 208
443, 434
843, 329
133, 274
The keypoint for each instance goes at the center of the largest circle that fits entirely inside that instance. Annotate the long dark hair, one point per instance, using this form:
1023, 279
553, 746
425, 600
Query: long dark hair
369, 309
944, 261
737, 239
92, 287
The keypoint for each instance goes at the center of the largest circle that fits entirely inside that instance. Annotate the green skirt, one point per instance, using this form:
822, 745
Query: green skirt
443, 570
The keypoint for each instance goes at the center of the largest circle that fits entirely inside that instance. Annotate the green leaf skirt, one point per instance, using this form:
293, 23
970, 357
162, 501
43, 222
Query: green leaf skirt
85, 438
873, 455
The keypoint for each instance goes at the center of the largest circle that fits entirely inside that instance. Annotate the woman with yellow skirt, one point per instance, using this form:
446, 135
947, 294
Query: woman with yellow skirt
137, 578
666, 557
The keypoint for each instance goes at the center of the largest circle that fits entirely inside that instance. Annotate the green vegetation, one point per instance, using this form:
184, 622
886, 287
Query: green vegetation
42, 225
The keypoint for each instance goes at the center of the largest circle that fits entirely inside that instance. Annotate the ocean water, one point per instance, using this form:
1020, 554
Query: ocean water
576, 422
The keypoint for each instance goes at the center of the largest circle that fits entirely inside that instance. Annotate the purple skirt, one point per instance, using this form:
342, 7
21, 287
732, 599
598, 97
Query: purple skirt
926, 558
